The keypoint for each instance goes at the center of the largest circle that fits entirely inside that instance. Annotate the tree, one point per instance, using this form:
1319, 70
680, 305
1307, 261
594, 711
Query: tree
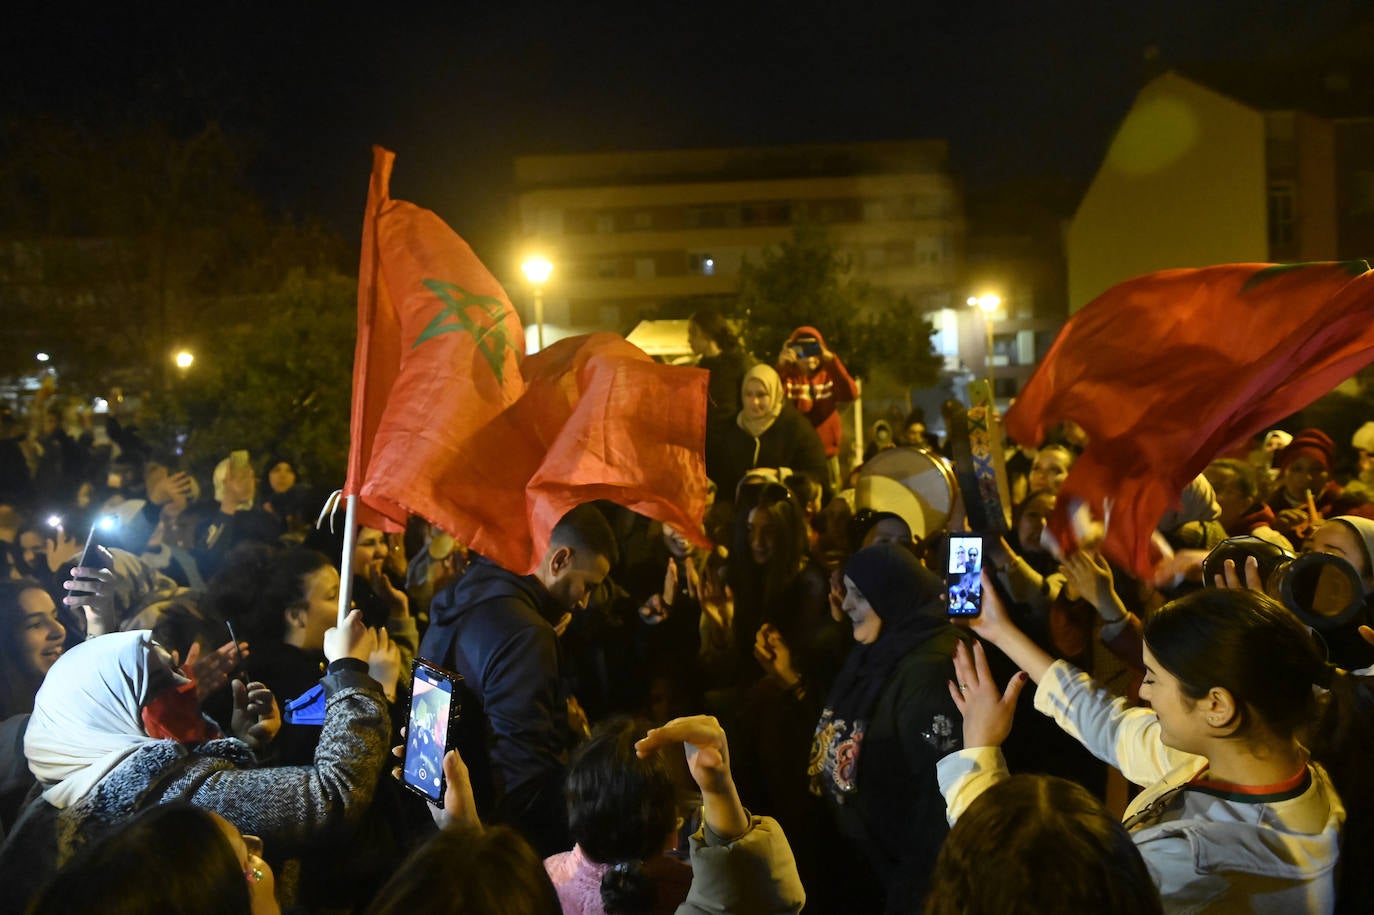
283, 384
806, 281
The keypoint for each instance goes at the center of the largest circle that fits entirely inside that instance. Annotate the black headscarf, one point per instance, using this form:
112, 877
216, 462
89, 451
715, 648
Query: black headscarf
906, 597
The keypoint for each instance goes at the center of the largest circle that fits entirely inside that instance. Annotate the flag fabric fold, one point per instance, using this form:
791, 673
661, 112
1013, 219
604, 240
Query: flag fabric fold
451, 422
1166, 371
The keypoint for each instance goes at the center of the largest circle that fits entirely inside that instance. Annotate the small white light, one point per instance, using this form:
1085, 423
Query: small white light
54, 520
42, 357
107, 523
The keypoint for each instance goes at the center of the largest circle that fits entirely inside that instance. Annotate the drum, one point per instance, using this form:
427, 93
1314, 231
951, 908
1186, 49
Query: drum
910, 482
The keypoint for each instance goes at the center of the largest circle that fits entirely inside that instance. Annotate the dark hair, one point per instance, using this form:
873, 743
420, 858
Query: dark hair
1244, 473
17, 683
466, 870
790, 539
172, 858
255, 586
1246, 643
587, 531
1020, 832
717, 328
1252, 646
620, 810
803, 487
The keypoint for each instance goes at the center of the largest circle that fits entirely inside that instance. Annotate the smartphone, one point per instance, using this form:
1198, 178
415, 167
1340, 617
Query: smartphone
807, 349
964, 574
430, 726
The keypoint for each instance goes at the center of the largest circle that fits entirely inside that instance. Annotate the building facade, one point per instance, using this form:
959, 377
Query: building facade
636, 235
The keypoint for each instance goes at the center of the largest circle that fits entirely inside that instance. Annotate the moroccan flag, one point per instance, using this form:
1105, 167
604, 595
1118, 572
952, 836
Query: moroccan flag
1167, 370
451, 423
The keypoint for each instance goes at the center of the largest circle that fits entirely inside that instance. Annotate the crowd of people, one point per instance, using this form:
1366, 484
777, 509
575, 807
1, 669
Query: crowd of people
187, 726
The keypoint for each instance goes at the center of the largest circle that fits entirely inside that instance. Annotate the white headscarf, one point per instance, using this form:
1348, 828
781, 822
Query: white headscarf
86, 716
768, 377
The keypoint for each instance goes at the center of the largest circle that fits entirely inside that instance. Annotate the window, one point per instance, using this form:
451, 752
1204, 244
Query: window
643, 220
701, 263
605, 223
1282, 212
644, 268
607, 268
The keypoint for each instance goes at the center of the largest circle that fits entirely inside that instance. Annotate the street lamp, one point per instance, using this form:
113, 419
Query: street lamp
42, 357
989, 303
537, 270
184, 359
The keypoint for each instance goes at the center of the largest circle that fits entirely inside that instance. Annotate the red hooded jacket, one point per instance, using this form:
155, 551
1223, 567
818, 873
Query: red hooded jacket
817, 395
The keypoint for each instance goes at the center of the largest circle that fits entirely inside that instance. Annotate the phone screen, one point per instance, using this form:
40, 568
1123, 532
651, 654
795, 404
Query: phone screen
964, 575
431, 704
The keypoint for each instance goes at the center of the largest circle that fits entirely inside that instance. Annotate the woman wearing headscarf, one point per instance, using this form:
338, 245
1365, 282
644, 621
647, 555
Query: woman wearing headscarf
117, 729
888, 720
768, 432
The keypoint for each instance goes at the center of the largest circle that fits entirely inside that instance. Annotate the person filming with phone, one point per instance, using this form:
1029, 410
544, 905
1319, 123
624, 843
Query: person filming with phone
817, 383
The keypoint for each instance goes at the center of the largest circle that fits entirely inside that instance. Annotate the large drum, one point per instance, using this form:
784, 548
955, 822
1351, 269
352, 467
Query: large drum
910, 482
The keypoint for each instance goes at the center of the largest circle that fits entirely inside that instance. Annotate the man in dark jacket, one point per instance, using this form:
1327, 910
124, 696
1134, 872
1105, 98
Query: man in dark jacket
497, 629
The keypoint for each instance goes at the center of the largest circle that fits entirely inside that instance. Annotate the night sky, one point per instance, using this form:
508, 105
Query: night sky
1020, 89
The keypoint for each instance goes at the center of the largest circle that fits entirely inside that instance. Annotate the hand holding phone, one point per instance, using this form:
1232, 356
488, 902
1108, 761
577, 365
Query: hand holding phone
430, 730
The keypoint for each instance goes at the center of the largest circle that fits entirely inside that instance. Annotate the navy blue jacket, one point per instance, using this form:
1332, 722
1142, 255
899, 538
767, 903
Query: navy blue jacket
494, 628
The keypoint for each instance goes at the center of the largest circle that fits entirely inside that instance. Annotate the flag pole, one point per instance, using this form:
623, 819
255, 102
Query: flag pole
346, 561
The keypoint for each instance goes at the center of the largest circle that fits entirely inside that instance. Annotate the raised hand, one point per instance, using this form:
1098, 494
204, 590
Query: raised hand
987, 710
708, 759
256, 719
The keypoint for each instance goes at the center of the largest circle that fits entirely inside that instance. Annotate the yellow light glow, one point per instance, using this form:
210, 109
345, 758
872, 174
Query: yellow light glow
537, 270
989, 303
184, 359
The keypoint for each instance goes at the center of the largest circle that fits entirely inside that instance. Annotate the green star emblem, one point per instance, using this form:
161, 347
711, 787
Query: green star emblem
492, 341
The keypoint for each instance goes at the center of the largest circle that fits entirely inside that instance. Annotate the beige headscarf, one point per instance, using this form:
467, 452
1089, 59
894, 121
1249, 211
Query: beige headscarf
769, 377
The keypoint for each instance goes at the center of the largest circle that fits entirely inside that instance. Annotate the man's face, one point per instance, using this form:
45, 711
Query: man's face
571, 577
1230, 496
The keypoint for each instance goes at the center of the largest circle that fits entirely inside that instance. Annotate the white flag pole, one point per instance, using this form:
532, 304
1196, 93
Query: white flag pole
346, 561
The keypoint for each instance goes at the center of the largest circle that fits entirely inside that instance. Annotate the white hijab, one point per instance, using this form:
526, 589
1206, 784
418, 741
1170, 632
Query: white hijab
86, 716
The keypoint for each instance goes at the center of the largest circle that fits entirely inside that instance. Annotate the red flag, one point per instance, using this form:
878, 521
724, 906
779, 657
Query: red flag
450, 424
1166, 371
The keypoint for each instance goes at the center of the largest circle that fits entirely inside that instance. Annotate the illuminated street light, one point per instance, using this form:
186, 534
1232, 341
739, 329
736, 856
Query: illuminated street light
184, 359
42, 357
989, 303
537, 270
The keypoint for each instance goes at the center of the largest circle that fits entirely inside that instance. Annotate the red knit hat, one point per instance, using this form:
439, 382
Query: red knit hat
1312, 443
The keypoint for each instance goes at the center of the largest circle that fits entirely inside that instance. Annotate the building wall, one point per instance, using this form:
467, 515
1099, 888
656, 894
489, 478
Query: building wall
1183, 185
631, 232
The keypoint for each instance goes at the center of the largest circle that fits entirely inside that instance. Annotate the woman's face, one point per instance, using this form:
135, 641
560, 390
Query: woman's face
1049, 470
256, 871
1335, 538
38, 633
281, 477
865, 620
763, 535
1181, 723
368, 550
758, 402
319, 606
1031, 527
